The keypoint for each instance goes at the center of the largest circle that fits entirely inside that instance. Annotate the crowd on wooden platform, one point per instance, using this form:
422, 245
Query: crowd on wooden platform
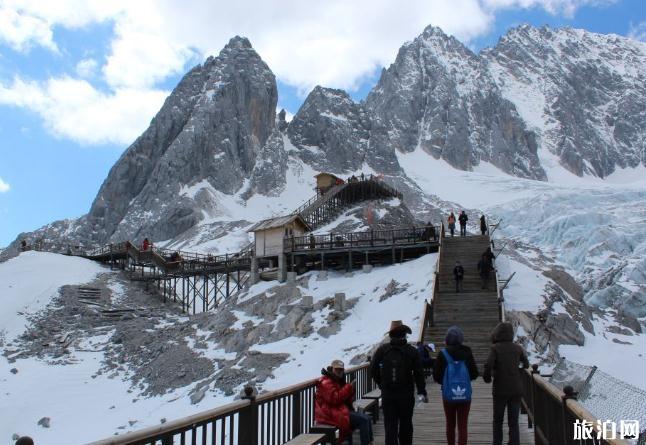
398, 369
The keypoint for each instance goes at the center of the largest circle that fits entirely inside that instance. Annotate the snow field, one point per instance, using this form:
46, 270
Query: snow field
74, 394
30, 281
367, 323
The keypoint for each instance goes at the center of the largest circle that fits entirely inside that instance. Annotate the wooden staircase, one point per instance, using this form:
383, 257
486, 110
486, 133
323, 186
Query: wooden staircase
321, 209
474, 310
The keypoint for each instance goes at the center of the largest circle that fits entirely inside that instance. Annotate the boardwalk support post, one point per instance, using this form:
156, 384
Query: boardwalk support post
567, 428
249, 418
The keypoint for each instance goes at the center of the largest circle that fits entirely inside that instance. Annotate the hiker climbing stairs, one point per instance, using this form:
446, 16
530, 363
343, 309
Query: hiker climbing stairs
474, 310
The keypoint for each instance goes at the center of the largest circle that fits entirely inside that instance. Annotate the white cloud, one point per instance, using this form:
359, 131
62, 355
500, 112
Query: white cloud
86, 67
4, 187
20, 31
75, 109
638, 32
554, 7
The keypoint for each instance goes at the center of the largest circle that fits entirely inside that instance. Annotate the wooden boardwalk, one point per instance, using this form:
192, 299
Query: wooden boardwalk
429, 424
476, 312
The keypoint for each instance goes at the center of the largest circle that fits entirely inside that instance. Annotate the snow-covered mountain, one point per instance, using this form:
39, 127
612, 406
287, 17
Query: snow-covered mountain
543, 131
583, 95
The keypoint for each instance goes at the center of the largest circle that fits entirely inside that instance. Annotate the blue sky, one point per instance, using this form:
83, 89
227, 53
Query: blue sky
77, 86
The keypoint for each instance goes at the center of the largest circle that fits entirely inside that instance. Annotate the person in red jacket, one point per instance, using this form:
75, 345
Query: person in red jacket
333, 404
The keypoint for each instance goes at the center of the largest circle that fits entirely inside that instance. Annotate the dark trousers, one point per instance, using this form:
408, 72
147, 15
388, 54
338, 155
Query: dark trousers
463, 230
512, 403
459, 287
398, 419
456, 413
362, 422
452, 229
485, 276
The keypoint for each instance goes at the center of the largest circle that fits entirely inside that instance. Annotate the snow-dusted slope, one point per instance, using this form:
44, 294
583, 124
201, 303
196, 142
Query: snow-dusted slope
590, 231
266, 327
584, 95
30, 282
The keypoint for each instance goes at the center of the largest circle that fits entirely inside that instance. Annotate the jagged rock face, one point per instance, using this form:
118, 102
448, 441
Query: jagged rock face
331, 131
210, 131
268, 175
583, 93
438, 95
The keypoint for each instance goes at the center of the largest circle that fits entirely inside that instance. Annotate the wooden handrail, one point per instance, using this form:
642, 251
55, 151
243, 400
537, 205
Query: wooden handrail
538, 384
168, 427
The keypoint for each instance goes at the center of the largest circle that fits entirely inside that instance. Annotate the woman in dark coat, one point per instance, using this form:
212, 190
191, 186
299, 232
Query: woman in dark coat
483, 224
503, 364
455, 411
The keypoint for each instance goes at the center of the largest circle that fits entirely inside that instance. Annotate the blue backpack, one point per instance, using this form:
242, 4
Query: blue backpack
456, 385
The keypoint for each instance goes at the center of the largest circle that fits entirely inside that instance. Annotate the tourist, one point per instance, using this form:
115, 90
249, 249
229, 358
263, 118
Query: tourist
312, 241
485, 267
146, 244
451, 221
483, 225
503, 362
463, 218
397, 369
454, 369
489, 254
333, 404
458, 274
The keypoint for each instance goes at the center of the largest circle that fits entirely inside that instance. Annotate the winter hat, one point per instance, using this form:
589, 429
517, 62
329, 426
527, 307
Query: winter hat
25, 440
504, 331
454, 336
337, 364
397, 326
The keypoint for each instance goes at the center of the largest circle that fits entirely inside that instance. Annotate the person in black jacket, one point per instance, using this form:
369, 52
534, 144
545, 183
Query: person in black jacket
503, 364
454, 340
458, 274
397, 369
489, 254
485, 267
483, 224
463, 218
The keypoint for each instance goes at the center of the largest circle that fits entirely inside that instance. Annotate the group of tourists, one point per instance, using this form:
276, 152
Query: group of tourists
462, 219
361, 177
398, 369
485, 269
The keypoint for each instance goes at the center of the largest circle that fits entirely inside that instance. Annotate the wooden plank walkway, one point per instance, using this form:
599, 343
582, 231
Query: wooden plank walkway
429, 425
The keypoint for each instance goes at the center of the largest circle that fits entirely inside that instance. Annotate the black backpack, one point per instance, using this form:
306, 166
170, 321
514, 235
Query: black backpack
395, 368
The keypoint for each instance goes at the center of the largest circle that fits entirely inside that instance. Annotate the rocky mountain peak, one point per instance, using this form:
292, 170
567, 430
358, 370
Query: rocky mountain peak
582, 93
193, 148
438, 96
330, 130
237, 43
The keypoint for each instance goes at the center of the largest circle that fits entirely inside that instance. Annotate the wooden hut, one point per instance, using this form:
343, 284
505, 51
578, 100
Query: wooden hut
326, 180
269, 233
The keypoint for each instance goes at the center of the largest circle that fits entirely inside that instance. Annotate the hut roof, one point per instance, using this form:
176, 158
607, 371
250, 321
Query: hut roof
326, 174
279, 221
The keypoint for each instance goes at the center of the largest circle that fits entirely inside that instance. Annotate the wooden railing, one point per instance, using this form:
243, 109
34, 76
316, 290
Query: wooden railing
175, 259
553, 413
272, 418
372, 238
305, 207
